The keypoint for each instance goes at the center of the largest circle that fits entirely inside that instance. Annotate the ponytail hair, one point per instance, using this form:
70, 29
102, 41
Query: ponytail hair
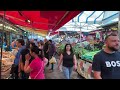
41, 54
38, 51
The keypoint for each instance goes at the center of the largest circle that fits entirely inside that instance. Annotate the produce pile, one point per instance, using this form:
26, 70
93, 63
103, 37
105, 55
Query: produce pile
60, 48
89, 55
7, 61
78, 51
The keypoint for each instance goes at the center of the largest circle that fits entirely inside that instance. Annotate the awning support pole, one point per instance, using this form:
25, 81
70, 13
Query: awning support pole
80, 39
2, 44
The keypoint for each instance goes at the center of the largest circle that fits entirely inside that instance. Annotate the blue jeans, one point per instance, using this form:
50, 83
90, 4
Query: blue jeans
67, 71
52, 66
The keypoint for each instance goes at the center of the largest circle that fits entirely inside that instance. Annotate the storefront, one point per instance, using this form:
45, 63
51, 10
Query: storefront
7, 34
10, 33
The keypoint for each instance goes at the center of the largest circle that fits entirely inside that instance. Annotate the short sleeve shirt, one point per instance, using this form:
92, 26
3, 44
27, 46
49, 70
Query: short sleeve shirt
107, 64
37, 65
17, 57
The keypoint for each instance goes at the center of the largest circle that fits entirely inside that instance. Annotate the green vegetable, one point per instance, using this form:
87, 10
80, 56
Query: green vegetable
79, 52
89, 55
60, 49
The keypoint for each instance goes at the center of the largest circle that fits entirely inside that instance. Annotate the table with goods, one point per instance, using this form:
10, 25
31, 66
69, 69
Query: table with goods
85, 64
7, 61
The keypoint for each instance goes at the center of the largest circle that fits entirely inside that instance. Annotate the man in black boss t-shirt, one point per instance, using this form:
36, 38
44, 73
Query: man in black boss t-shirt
106, 64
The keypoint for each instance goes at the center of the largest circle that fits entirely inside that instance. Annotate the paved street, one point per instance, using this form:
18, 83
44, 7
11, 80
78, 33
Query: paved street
56, 74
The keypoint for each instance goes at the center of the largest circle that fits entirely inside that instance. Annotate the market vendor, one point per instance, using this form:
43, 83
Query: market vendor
4, 45
8, 48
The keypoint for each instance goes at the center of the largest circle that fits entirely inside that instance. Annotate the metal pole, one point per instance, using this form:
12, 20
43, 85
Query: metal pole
80, 33
80, 39
2, 43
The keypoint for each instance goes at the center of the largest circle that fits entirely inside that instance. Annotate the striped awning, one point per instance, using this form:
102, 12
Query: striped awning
90, 20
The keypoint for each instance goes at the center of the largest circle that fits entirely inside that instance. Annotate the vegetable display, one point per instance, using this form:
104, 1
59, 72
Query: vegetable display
60, 48
89, 55
80, 52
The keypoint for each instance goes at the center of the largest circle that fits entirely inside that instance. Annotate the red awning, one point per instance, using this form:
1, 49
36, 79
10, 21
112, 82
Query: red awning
20, 18
54, 33
58, 18
45, 20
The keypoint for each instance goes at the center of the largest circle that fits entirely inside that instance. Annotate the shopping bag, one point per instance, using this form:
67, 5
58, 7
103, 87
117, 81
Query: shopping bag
52, 60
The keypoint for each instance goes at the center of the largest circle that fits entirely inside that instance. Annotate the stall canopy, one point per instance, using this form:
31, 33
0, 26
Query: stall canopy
91, 20
45, 21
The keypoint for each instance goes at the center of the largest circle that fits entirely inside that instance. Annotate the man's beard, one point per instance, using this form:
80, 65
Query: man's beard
112, 48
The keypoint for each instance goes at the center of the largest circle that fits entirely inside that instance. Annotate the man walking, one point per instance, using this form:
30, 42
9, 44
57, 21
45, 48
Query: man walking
106, 63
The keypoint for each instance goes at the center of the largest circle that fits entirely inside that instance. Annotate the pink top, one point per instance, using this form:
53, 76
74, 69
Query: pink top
36, 65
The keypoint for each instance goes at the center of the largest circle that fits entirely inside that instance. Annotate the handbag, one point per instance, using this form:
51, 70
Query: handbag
52, 60
38, 72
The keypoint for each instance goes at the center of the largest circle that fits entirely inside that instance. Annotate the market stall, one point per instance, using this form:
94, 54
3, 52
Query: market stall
97, 24
8, 32
7, 61
36, 22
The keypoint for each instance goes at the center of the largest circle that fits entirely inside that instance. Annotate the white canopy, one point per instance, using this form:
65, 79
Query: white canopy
90, 20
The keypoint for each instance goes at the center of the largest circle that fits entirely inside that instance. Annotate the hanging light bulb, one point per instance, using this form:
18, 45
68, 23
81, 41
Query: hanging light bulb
1, 24
28, 21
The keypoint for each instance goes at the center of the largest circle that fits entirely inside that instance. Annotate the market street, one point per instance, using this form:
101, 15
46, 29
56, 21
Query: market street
56, 74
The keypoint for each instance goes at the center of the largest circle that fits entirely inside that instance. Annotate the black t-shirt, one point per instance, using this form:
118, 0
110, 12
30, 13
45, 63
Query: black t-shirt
68, 60
45, 48
107, 64
51, 49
